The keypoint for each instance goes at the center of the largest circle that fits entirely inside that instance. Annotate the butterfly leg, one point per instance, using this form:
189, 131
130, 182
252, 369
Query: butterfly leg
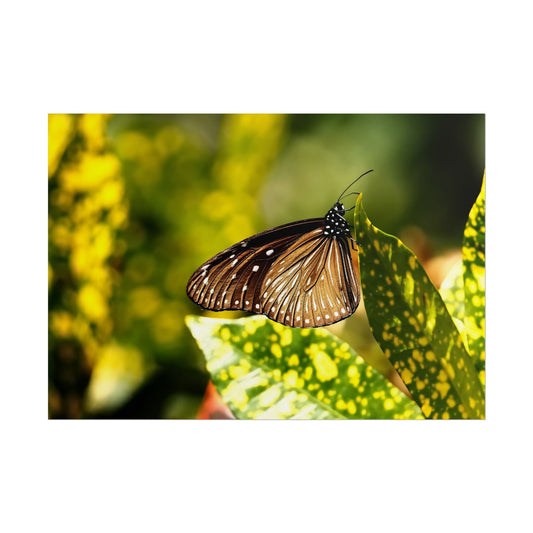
353, 241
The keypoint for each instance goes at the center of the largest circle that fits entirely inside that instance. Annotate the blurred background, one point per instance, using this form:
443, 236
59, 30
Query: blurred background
138, 202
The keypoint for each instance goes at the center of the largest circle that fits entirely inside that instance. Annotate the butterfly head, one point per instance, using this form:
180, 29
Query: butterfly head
339, 208
335, 225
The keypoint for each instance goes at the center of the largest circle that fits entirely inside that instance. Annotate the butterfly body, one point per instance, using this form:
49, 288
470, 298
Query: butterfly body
299, 274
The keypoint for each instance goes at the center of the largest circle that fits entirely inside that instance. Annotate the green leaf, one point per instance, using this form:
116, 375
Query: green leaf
453, 294
263, 369
413, 327
474, 281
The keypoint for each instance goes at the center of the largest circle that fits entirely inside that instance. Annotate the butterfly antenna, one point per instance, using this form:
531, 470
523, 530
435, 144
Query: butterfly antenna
349, 194
353, 183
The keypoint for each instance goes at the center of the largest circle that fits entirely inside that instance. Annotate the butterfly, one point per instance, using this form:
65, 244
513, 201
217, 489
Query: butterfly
299, 274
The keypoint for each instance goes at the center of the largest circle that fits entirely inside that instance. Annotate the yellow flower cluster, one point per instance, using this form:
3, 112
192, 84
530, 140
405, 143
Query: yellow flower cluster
190, 183
86, 208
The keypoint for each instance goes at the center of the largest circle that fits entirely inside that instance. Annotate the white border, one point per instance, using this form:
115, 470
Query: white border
266, 57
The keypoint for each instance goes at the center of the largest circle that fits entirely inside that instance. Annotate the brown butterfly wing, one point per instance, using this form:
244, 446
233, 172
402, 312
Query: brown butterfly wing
293, 274
232, 279
312, 284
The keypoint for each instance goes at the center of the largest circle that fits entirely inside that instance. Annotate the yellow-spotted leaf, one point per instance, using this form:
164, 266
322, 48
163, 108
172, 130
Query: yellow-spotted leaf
411, 323
453, 295
474, 281
452, 292
263, 369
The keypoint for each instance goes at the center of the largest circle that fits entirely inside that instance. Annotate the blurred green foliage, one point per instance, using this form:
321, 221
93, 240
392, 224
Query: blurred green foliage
137, 202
